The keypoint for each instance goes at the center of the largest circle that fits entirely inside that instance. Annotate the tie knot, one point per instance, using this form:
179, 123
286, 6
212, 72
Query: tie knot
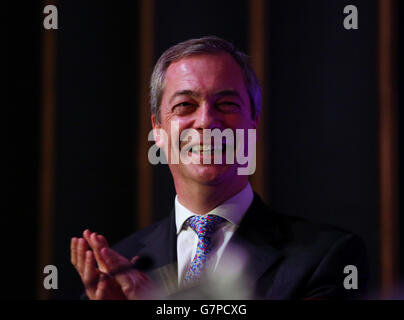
204, 225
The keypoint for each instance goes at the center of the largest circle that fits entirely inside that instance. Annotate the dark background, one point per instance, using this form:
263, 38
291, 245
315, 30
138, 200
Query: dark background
400, 91
321, 133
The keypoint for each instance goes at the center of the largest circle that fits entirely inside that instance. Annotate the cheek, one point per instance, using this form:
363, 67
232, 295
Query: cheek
176, 126
240, 121
184, 122
173, 129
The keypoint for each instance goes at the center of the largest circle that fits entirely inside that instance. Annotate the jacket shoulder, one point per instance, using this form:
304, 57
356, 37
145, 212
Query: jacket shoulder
129, 245
285, 229
315, 256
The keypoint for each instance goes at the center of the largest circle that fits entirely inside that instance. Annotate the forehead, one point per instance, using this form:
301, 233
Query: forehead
205, 72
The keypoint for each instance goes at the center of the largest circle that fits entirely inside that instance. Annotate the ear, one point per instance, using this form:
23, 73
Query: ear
156, 131
155, 123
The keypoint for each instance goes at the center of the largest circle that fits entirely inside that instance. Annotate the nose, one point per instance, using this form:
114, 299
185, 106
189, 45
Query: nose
207, 117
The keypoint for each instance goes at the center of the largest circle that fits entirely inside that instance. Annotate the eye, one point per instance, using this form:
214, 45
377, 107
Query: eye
228, 106
183, 104
183, 108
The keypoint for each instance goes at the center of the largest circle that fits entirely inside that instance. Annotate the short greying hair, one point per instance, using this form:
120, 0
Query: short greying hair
205, 45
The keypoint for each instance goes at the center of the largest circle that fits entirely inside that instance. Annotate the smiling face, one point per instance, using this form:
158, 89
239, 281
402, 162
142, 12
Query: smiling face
204, 91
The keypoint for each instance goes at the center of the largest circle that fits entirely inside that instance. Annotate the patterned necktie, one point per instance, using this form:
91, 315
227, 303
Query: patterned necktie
204, 227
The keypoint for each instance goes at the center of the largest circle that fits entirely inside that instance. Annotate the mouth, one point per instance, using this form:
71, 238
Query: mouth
209, 154
207, 149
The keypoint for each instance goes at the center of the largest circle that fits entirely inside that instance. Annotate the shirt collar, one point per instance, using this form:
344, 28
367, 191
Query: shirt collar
233, 209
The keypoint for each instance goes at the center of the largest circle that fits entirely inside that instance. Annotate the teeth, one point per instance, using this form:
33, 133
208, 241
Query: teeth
206, 148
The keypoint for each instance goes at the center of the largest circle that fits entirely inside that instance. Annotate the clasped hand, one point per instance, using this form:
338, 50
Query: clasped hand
106, 274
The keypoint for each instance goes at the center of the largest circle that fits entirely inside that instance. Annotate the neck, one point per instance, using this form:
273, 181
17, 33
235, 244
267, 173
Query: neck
202, 199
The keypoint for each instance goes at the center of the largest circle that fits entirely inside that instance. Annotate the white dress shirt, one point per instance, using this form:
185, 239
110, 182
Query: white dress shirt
232, 210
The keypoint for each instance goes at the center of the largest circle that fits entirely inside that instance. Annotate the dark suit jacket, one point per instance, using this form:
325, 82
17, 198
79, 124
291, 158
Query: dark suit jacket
290, 258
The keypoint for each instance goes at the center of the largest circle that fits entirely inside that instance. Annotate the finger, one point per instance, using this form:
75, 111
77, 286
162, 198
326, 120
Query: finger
97, 244
98, 241
81, 255
73, 251
92, 239
102, 287
90, 273
86, 234
102, 241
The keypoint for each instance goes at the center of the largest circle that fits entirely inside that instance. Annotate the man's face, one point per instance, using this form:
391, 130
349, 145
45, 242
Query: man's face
204, 92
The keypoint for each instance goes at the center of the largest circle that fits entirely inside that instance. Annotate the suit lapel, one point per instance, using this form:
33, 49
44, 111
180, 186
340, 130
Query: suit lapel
161, 243
161, 246
257, 234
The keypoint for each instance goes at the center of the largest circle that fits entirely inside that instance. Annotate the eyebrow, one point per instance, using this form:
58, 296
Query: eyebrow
229, 92
184, 93
195, 94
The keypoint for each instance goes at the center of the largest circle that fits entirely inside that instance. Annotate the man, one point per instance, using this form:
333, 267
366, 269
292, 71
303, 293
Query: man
204, 84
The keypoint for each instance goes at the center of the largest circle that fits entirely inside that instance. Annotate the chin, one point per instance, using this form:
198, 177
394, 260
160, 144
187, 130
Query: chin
212, 174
